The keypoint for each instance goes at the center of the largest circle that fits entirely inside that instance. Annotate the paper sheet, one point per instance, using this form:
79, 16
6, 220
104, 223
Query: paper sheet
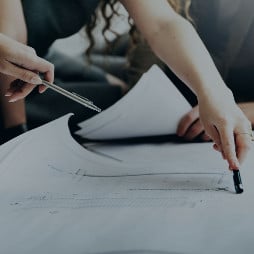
153, 107
57, 197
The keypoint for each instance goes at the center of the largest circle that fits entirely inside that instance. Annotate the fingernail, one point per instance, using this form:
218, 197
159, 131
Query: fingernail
13, 100
8, 94
236, 165
36, 80
42, 89
179, 133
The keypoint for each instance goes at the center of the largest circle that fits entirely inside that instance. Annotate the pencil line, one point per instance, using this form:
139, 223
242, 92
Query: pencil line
153, 174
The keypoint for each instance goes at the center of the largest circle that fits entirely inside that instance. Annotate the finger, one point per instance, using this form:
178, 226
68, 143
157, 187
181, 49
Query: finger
195, 130
16, 85
186, 122
49, 75
243, 144
25, 50
214, 135
205, 137
218, 149
42, 88
28, 59
20, 73
21, 92
228, 146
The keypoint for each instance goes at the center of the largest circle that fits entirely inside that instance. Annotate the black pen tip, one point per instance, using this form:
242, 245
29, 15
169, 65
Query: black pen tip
237, 182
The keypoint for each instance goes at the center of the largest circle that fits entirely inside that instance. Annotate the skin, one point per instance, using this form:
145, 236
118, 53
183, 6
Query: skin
248, 109
176, 42
190, 126
17, 61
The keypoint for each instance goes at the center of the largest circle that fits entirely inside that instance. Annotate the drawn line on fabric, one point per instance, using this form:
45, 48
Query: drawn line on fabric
84, 173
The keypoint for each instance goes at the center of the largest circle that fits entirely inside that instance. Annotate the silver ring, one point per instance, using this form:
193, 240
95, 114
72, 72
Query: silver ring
247, 133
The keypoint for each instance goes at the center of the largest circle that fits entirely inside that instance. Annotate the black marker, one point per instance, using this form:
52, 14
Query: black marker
237, 181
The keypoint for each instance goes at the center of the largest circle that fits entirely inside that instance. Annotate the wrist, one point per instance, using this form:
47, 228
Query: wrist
216, 92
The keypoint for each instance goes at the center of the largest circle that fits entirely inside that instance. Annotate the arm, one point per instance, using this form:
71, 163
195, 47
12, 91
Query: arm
175, 41
16, 59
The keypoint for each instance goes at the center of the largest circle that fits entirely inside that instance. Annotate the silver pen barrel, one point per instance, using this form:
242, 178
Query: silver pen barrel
73, 96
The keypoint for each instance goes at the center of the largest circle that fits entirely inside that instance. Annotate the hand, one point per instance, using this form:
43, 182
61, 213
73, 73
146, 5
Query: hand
190, 126
21, 62
248, 110
226, 124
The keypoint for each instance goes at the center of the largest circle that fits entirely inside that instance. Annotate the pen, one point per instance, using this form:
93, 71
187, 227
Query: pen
237, 181
73, 96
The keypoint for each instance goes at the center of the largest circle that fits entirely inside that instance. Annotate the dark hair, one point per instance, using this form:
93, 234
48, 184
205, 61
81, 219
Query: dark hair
109, 9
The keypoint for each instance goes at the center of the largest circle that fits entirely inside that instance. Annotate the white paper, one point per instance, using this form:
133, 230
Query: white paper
153, 107
57, 197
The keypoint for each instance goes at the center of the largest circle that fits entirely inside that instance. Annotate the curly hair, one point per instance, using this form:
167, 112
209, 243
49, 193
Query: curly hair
109, 9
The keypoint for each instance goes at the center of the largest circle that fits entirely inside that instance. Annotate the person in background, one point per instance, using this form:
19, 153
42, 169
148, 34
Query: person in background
171, 37
214, 22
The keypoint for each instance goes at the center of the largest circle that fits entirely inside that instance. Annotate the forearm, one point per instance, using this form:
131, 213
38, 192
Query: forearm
12, 22
179, 46
176, 42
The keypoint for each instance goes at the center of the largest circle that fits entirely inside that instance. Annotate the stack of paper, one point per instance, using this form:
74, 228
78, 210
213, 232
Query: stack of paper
153, 107
58, 197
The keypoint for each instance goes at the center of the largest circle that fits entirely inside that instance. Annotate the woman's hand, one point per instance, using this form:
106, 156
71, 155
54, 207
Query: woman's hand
226, 124
248, 110
21, 62
190, 126
175, 41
